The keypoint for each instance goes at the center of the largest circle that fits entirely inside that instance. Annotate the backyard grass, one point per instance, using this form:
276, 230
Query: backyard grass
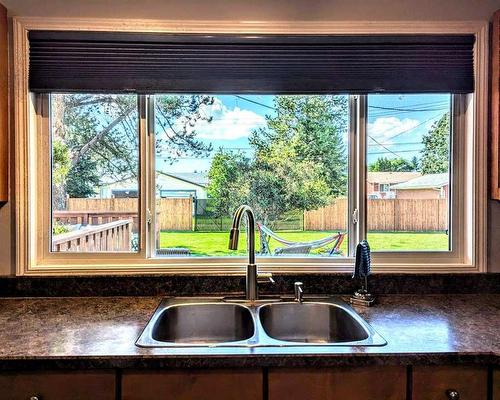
215, 243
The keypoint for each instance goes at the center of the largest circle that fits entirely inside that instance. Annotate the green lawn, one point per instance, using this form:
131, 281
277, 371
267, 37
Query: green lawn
215, 243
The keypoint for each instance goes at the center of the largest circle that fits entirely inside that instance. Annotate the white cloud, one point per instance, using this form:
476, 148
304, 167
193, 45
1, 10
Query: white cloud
382, 129
227, 124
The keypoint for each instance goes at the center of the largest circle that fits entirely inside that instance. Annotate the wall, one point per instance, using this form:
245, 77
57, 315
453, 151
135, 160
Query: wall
285, 10
321, 10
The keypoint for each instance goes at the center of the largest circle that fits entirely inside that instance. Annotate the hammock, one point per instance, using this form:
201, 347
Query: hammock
266, 234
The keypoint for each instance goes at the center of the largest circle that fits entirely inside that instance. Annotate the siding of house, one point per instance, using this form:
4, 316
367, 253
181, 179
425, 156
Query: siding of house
422, 193
163, 182
166, 182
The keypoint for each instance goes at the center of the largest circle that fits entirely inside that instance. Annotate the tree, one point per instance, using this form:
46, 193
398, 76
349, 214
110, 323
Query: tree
61, 165
176, 117
226, 188
312, 126
101, 137
300, 156
436, 153
384, 164
83, 178
282, 182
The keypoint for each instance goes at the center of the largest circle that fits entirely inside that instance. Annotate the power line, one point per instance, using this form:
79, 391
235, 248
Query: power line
380, 144
401, 109
407, 109
401, 133
376, 107
415, 127
393, 144
254, 102
401, 151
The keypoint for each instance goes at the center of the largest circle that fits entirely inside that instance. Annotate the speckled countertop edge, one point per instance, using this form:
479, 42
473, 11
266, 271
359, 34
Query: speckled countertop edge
193, 285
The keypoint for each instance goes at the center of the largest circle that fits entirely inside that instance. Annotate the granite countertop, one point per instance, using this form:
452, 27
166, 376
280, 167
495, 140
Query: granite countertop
100, 332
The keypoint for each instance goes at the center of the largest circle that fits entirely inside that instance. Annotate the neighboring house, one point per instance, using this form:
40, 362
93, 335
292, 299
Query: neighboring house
379, 184
430, 186
176, 185
182, 184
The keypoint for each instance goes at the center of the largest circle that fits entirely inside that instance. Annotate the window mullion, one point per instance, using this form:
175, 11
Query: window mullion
357, 147
144, 175
361, 137
151, 177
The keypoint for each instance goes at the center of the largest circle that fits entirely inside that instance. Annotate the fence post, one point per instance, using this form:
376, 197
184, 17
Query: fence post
195, 216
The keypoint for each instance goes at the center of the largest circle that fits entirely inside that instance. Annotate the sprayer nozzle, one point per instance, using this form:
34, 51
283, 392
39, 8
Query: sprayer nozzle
234, 235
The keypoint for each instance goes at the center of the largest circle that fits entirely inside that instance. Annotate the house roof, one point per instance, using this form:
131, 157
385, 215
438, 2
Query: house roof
196, 178
429, 181
390, 177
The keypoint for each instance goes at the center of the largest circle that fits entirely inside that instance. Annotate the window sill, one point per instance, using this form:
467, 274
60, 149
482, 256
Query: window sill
239, 268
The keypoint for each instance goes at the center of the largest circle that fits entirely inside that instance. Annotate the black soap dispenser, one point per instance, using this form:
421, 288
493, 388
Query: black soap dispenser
362, 267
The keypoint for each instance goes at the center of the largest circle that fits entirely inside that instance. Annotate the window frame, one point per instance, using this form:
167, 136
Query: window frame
469, 118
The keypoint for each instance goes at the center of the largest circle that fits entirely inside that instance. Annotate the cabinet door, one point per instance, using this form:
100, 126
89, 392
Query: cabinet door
4, 131
495, 107
496, 384
360, 383
57, 385
192, 385
434, 383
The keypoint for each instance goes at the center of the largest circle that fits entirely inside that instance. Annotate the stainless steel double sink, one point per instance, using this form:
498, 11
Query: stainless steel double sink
218, 322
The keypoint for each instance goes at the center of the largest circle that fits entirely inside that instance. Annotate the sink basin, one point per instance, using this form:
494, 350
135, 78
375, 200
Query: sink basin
312, 322
198, 323
202, 324
219, 322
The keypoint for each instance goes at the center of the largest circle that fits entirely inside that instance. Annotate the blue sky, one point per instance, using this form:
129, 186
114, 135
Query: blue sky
396, 124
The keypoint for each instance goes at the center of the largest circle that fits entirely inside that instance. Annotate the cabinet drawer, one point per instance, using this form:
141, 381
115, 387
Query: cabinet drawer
57, 385
432, 383
192, 385
373, 383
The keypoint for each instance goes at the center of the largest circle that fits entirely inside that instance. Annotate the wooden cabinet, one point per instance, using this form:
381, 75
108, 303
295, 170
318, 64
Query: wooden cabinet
359, 383
495, 107
338, 383
432, 383
496, 384
4, 114
193, 385
57, 385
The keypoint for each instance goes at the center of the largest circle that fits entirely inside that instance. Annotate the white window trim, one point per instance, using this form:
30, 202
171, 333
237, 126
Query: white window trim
29, 261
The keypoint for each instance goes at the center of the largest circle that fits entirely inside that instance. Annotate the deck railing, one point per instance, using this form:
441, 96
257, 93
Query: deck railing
95, 217
112, 236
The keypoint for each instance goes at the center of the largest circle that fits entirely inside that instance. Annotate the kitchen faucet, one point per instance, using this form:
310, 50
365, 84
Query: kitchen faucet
251, 274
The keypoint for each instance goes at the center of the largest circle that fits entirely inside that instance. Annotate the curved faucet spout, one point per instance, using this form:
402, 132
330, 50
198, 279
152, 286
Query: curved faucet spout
235, 231
251, 275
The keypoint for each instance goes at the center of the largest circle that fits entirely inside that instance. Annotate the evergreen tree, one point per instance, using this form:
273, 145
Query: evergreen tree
226, 188
435, 157
300, 156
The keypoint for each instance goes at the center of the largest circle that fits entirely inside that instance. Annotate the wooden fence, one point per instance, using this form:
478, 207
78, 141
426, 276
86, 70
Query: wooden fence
175, 214
417, 215
112, 236
172, 214
330, 218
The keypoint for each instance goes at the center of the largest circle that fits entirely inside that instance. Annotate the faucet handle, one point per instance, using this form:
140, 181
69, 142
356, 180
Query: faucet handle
265, 277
